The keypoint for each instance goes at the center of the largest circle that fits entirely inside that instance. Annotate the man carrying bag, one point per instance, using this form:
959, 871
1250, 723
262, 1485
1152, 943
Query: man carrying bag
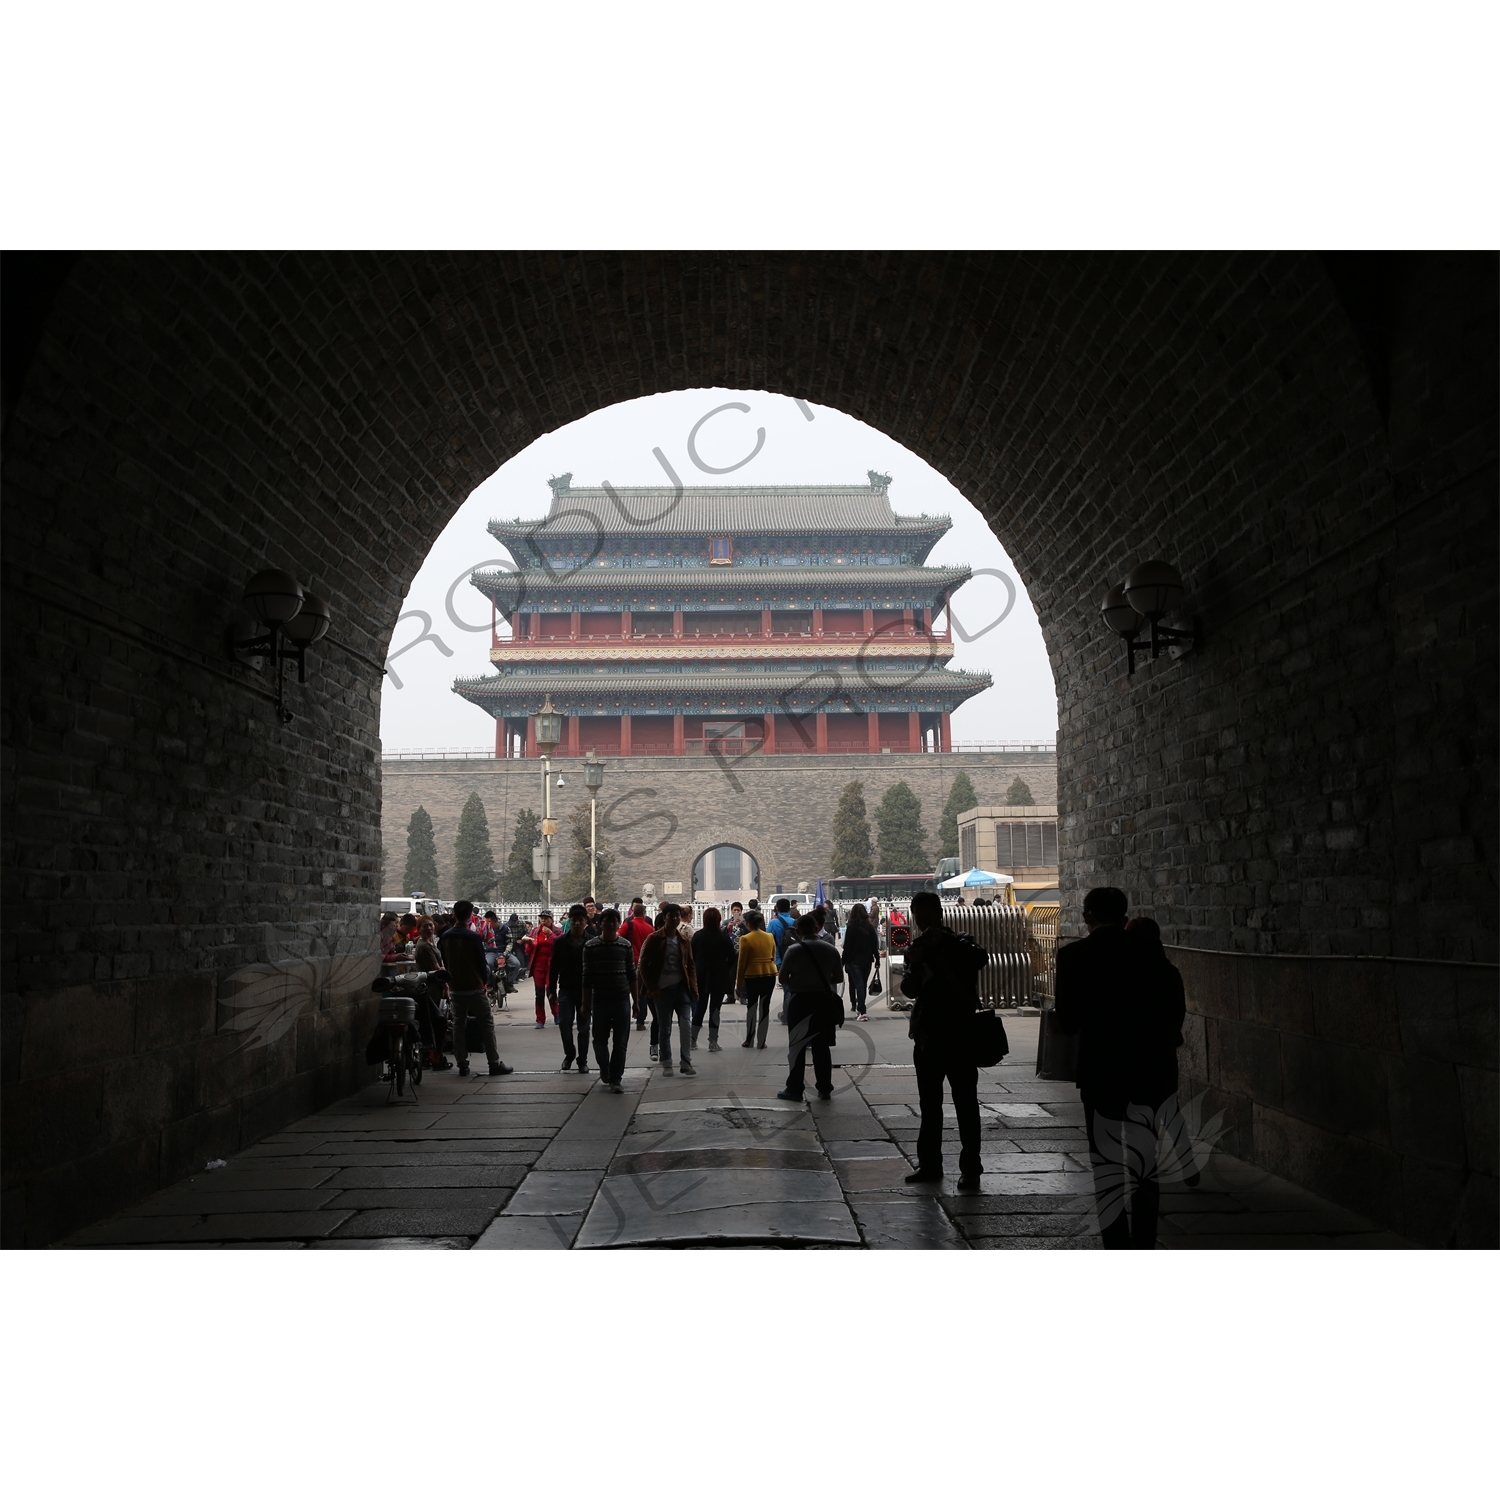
942, 975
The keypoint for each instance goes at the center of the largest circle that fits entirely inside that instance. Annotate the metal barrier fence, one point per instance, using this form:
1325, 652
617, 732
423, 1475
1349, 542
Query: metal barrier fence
1006, 980
1045, 921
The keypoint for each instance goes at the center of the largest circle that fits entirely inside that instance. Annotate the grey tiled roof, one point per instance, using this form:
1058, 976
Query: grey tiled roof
531, 583
719, 510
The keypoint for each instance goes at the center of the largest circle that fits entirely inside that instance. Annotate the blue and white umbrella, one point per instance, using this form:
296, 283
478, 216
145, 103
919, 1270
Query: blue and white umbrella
976, 876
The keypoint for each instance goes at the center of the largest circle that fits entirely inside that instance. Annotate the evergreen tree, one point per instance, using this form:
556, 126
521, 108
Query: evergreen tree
421, 855
518, 883
900, 820
961, 797
1019, 795
853, 855
473, 859
575, 882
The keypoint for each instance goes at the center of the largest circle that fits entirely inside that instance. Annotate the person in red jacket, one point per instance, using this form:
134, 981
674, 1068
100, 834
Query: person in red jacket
539, 954
636, 928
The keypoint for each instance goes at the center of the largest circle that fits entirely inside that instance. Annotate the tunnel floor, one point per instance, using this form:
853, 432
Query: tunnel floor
543, 1159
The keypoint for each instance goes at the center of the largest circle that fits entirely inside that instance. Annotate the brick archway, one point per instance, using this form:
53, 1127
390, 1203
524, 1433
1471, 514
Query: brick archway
1317, 780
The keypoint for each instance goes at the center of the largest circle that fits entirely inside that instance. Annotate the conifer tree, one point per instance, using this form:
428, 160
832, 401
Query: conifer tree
1019, 795
575, 884
518, 883
473, 859
853, 855
961, 797
900, 822
421, 855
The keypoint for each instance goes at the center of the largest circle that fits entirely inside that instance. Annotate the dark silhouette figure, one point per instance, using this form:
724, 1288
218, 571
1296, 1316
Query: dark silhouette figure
1117, 991
941, 975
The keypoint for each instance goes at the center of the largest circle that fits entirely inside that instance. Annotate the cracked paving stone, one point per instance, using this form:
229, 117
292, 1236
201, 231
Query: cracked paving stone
555, 1193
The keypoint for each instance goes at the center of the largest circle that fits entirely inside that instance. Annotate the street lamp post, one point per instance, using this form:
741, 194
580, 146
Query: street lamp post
593, 779
548, 735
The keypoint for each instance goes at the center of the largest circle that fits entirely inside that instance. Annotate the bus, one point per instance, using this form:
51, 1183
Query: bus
885, 888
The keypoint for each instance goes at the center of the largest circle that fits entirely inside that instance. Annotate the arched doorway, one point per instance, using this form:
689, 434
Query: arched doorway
726, 873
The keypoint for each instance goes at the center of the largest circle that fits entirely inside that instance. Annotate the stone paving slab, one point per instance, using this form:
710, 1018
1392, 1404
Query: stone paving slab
235, 1178
381, 1223
395, 1242
424, 1199
907, 1224
749, 1156
195, 1200
555, 1193
430, 1176
222, 1228
519, 1232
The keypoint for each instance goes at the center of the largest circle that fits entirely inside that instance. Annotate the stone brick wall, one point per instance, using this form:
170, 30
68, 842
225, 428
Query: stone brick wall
1319, 778
659, 813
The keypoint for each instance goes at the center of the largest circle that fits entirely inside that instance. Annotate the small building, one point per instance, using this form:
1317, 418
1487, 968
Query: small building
1017, 841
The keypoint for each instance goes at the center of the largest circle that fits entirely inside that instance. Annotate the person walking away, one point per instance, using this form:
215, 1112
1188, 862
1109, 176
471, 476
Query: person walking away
831, 921
783, 928
1114, 994
567, 969
608, 982
431, 1026
463, 957
809, 973
668, 977
861, 950
636, 929
539, 956
714, 960
942, 976
755, 978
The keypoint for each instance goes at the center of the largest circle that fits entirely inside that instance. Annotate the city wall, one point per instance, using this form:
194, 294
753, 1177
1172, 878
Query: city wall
659, 813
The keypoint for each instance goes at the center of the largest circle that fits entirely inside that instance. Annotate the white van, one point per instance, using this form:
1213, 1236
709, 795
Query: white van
415, 906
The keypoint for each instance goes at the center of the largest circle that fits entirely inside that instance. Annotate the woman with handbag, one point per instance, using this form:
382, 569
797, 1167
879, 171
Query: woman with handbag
810, 970
861, 950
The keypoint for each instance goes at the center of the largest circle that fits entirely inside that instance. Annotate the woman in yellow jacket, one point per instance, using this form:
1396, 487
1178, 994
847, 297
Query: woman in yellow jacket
755, 978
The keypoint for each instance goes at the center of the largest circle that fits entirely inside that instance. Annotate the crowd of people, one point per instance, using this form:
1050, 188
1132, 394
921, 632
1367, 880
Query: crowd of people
602, 972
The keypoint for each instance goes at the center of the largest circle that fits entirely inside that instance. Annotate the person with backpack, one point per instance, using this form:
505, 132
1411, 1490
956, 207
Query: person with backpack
567, 969
783, 929
810, 974
942, 975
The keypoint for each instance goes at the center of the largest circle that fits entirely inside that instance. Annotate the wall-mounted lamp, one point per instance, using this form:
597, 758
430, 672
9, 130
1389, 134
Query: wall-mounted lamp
1153, 589
278, 609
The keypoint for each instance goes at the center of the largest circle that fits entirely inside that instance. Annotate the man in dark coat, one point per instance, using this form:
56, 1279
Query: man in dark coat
1116, 992
942, 976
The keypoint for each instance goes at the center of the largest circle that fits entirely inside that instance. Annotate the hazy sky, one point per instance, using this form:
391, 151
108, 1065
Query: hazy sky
616, 444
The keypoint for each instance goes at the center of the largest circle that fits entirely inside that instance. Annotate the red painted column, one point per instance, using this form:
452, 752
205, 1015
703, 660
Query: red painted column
947, 732
822, 740
677, 624
531, 733
768, 744
573, 749
534, 626
625, 625
765, 624
908, 627
679, 738
575, 625
914, 733
869, 623
625, 731
494, 624
927, 621
817, 622
500, 745
874, 727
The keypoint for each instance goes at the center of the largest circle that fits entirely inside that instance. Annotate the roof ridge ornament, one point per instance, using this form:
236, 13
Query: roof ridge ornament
878, 481
561, 484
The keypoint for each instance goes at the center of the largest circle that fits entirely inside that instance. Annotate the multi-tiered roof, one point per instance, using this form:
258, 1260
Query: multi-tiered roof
660, 620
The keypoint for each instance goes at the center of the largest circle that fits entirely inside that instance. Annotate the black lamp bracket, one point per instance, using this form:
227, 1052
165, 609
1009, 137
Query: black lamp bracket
1174, 640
